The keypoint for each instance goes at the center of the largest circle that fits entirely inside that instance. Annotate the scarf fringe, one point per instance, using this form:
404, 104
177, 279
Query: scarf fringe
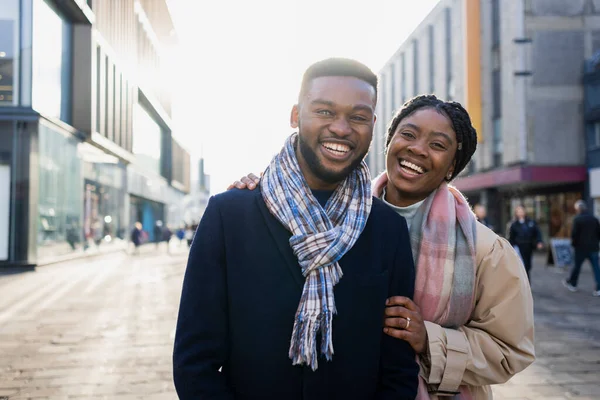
303, 347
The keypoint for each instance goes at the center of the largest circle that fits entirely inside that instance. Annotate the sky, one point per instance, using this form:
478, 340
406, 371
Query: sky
239, 63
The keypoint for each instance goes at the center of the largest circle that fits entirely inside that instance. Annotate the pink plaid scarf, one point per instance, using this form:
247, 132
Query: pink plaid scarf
442, 236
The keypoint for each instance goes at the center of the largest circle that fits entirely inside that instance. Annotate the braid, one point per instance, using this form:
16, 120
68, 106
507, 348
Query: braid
466, 135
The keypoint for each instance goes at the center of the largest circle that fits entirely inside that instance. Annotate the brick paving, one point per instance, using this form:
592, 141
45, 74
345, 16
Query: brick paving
103, 329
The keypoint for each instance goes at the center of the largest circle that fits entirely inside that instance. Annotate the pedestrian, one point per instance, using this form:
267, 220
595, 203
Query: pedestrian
258, 317
189, 233
471, 322
136, 237
481, 215
157, 233
585, 238
525, 235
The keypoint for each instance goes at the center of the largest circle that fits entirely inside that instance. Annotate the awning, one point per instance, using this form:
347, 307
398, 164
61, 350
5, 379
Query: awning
522, 175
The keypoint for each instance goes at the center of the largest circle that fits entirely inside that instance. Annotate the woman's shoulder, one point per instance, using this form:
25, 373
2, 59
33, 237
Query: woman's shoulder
488, 241
495, 252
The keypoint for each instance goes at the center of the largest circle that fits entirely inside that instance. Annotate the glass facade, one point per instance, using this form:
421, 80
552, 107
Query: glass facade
147, 140
9, 51
60, 192
51, 75
104, 219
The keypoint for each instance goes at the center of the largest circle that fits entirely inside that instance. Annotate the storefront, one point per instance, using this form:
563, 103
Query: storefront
104, 198
60, 191
547, 193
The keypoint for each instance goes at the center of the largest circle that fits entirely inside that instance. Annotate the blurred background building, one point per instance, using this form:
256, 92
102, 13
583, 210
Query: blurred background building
86, 146
518, 67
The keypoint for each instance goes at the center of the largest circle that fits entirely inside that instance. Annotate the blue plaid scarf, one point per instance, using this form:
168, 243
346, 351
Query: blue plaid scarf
320, 237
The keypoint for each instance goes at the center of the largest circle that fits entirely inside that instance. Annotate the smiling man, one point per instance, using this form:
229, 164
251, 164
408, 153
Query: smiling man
285, 287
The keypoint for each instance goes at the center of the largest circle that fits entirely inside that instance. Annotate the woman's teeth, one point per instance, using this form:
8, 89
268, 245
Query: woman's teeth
412, 167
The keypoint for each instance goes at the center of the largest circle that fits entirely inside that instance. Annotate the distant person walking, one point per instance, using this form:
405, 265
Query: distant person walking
136, 237
585, 238
525, 235
481, 215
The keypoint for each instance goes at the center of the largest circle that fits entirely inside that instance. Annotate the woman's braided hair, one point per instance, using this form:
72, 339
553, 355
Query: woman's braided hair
466, 135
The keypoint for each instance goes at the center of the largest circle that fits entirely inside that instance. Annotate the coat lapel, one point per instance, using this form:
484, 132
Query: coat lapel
281, 238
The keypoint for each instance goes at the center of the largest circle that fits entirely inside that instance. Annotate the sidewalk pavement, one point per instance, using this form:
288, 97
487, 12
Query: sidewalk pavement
567, 336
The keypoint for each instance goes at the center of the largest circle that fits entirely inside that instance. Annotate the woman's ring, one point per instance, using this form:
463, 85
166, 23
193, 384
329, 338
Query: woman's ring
407, 323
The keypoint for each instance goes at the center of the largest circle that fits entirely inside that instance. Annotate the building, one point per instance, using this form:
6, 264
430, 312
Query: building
592, 128
197, 200
86, 145
517, 66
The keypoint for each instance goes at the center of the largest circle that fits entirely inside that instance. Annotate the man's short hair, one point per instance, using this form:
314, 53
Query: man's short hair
338, 67
580, 205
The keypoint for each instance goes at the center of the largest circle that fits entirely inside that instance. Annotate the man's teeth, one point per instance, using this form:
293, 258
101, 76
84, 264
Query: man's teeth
339, 148
412, 166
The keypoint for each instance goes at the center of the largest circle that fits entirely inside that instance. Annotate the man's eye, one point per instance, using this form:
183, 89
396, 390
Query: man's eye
324, 112
359, 118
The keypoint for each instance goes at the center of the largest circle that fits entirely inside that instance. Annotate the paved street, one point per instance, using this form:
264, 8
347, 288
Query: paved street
103, 329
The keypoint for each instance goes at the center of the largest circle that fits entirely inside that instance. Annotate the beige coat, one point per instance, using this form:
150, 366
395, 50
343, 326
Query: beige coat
497, 342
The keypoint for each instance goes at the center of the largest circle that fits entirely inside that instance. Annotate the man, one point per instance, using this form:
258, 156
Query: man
584, 239
481, 215
285, 288
526, 236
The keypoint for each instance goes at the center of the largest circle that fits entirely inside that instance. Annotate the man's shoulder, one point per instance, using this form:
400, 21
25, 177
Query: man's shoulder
236, 197
587, 217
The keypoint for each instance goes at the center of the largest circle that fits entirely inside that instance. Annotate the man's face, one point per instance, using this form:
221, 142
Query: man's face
335, 120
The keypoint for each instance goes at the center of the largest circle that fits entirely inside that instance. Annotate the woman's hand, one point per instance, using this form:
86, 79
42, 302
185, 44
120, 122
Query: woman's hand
403, 321
249, 181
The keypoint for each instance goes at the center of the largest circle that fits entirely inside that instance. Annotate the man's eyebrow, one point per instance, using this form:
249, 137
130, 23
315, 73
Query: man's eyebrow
358, 107
323, 102
361, 107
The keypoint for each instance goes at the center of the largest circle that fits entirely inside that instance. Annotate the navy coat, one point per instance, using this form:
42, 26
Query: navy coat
240, 294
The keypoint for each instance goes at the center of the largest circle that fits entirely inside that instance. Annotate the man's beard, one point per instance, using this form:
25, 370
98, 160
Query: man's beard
324, 174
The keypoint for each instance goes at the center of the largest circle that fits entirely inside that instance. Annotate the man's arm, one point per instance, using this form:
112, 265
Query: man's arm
399, 376
201, 338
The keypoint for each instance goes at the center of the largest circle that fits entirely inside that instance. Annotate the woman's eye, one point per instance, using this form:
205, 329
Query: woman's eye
439, 146
407, 134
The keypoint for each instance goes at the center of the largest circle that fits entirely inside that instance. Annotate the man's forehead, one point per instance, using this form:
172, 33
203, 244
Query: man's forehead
345, 89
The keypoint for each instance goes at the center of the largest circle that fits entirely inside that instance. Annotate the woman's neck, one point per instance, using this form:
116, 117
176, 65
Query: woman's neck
395, 197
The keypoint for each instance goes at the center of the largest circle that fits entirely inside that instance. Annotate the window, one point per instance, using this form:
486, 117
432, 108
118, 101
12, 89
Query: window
147, 139
393, 86
449, 83
51, 54
495, 23
496, 94
497, 146
431, 60
106, 132
402, 78
98, 89
9, 52
595, 137
415, 45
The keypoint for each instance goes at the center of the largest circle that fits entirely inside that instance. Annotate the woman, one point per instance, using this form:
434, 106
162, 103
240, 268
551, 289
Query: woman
471, 322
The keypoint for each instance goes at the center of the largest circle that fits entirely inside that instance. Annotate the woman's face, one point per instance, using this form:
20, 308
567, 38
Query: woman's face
419, 156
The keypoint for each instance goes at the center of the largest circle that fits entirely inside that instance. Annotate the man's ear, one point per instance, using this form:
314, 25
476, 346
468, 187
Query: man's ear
294, 117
